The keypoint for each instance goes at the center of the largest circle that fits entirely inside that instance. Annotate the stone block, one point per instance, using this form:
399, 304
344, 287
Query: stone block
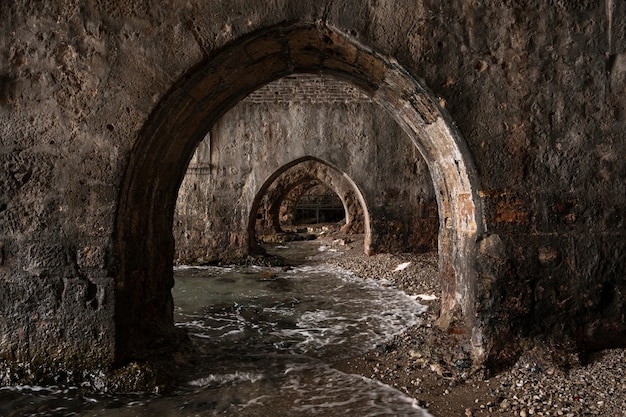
90, 257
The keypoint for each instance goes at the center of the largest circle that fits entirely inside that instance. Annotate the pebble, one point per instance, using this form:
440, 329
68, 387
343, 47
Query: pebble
535, 385
583, 390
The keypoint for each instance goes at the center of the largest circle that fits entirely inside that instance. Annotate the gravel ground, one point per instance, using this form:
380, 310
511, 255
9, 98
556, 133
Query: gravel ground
424, 364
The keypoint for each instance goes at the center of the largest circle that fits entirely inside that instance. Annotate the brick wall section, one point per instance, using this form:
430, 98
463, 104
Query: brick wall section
307, 88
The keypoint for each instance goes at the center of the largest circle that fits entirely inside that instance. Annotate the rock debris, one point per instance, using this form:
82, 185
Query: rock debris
543, 382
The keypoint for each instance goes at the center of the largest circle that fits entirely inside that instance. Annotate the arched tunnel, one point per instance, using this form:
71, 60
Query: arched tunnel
136, 137
284, 191
212, 90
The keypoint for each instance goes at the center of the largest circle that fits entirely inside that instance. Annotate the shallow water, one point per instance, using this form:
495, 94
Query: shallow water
266, 340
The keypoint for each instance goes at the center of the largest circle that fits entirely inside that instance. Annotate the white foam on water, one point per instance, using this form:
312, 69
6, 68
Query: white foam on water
257, 401
217, 270
261, 329
364, 311
52, 390
333, 312
322, 391
222, 379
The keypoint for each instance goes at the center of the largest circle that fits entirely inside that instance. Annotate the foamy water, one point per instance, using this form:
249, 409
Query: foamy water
266, 342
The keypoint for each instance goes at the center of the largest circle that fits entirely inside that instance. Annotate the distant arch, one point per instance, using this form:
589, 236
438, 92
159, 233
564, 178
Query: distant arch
319, 202
143, 242
303, 170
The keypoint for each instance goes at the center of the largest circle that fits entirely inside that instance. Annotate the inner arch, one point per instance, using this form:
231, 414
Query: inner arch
302, 170
315, 204
158, 161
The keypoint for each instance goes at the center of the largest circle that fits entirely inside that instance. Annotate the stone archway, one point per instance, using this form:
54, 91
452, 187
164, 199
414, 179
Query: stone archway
304, 171
320, 203
157, 164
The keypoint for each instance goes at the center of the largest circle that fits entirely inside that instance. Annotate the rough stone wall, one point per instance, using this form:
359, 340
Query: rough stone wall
536, 88
548, 153
292, 118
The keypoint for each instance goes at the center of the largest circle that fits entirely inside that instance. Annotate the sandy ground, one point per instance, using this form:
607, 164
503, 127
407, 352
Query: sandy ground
422, 363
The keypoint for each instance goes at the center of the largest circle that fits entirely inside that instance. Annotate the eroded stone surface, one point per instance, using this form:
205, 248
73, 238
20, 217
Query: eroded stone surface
536, 89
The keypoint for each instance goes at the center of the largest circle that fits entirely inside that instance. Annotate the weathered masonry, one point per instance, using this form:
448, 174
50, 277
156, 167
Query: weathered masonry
516, 112
304, 128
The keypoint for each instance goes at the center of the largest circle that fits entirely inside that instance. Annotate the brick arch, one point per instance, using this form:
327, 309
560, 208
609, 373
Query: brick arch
304, 170
144, 244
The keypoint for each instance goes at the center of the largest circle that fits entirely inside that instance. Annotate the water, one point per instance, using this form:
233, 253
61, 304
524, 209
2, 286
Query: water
266, 341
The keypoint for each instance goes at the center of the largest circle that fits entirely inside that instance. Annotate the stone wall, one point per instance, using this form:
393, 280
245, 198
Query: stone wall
536, 89
323, 118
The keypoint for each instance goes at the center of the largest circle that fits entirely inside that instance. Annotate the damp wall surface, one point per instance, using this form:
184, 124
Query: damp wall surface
537, 90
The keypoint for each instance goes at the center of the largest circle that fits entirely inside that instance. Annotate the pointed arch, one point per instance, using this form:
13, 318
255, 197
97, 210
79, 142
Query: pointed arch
284, 179
158, 161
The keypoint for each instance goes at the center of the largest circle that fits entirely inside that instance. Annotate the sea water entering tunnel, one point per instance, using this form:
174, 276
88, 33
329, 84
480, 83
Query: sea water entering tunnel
378, 186
206, 93
99, 126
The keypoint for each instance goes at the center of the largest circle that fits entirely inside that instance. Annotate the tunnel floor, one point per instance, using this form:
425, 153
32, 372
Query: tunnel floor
417, 364
423, 363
